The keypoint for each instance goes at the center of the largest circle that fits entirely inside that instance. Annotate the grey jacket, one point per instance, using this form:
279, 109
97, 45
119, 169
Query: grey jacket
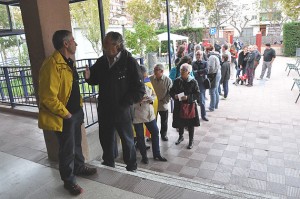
162, 88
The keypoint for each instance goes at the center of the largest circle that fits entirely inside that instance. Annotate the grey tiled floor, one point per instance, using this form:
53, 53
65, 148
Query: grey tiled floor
252, 141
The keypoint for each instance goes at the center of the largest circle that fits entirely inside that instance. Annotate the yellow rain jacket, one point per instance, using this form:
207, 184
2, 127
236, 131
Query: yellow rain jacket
55, 84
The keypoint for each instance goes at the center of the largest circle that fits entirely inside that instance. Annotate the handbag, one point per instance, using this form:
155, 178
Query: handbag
187, 111
206, 83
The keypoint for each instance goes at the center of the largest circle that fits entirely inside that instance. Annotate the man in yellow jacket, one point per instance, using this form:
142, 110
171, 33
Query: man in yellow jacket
60, 108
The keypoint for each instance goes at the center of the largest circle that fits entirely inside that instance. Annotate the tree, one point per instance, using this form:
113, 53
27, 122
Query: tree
221, 13
292, 8
86, 16
242, 16
271, 10
151, 10
143, 40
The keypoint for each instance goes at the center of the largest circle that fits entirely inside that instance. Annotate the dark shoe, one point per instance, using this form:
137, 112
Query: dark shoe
74, 189
249, 85
160, 158
180, 139
205, 119
147, 147
145, 160
86, 171
164, 138
107, 164
191, 144
131, 170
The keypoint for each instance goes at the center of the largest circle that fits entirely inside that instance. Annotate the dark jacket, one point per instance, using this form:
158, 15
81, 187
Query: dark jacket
242, 61
250, 60
191, 89
119, 87
200, 71
225, 72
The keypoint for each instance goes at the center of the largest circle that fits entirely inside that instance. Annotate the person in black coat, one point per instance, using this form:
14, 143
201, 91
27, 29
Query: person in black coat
185, 91
120, 85
242, 61
200, 71
225, 74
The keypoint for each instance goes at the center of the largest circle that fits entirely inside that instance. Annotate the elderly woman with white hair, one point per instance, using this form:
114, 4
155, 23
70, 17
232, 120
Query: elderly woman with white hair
185, 92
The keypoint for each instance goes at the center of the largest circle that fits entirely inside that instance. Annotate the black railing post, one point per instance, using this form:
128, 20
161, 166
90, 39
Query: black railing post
93, 87
9, 89
24, 85
1, 90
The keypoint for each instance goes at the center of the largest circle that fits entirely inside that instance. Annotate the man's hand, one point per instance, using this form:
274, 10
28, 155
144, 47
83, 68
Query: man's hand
87, 72
68, 116
183, 98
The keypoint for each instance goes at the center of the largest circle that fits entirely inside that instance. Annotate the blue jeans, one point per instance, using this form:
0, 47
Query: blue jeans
202, 100
107, 132
153, 129
71, 159
214, 94
225, 88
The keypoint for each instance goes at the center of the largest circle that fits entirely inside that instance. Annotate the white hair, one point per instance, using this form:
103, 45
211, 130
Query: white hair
186, 66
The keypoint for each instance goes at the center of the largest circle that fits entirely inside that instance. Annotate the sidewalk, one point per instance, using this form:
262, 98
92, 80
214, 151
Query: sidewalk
251, 142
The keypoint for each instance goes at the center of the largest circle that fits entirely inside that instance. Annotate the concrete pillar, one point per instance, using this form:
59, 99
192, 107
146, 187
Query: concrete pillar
41, 19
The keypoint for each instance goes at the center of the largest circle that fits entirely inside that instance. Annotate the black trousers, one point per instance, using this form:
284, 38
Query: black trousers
107, 140
70, 152
164, 122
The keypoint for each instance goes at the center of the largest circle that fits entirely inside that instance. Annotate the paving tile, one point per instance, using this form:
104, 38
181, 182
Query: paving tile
276, 188
190, 171
276, 170
227, 161
230, 154
198, 156
208, 166
205, 173
293, 182
194, 163
213, 159
221, 177
293, 191
224, 168
215, 152
203, 150
242, 163
257, 184
240, 172
174, 168
280, 179
258, 167
258, 175
292, 172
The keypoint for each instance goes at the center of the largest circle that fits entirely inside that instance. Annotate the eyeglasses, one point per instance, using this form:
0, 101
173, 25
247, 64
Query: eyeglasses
183, 70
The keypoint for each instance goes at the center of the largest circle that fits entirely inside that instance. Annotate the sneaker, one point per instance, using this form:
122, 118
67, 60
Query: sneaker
74, 189
259, 78
86, 171
164, 138
249, 85
223, 98
267, 79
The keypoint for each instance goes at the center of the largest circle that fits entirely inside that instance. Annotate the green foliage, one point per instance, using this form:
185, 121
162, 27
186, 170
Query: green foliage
194, 34
292, 8
291, 38
3, 17
143, 39
86, 16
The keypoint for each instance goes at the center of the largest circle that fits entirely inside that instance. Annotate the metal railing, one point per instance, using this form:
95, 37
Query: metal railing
16, 89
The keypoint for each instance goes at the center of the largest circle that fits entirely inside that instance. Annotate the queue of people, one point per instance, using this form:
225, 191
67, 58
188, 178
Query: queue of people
126, 98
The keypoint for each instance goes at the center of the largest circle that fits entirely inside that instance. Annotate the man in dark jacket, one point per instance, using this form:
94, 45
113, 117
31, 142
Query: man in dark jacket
200, 72
120, 85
